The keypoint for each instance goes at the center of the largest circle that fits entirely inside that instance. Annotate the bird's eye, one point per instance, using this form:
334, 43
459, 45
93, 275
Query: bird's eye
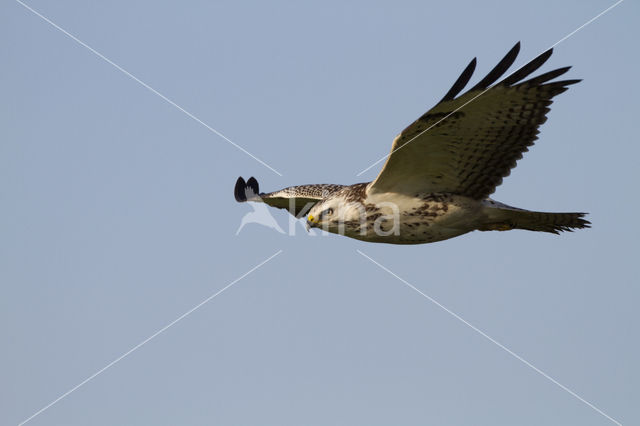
324, 213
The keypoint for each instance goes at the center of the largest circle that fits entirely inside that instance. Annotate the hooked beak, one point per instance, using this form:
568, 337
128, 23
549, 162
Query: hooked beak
311, 222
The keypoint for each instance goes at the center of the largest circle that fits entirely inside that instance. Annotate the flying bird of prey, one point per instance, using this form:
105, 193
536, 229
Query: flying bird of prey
436, 182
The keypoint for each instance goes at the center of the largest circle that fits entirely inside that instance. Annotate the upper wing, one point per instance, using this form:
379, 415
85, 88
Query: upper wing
296, 199
466, 145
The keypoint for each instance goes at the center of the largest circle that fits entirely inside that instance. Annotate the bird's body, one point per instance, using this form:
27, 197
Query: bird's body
437, 180
401, 218
421, 218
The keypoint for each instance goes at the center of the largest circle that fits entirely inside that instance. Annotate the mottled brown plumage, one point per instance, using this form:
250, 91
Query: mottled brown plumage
466, 145
442, 168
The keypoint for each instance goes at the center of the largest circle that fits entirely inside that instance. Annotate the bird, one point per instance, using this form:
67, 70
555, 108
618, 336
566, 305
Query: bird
437, 180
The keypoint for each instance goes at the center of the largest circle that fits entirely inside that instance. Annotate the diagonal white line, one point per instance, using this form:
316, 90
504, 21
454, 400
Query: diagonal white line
485, 90
491, 339
145, 85
136, 347
585, 24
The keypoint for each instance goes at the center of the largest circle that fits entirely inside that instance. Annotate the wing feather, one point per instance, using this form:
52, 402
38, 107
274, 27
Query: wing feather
298, 200
467, 145
460, 82
499, 70
527, 69
543, 78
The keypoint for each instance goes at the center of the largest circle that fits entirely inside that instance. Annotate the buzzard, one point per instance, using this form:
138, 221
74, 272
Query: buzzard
436, 182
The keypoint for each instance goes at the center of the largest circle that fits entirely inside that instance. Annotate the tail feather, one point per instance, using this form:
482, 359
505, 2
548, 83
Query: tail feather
550, 222
505, 217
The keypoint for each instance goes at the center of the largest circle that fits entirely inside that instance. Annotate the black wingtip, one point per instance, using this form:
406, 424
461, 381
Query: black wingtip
527, 69
246, 190
499, 70
460, 82
238, 191
252, 183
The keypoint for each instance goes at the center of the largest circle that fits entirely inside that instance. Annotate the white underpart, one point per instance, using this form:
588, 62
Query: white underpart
395, 222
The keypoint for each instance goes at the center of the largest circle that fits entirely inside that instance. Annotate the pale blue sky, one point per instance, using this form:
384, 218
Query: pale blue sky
117, 216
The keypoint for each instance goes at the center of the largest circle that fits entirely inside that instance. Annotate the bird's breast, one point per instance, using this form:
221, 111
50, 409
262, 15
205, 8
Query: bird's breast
418, 218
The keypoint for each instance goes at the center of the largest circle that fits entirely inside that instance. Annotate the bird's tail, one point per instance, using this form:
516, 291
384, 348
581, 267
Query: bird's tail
501, 217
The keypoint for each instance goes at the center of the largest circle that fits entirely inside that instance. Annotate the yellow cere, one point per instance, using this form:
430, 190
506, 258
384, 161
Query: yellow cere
310, 218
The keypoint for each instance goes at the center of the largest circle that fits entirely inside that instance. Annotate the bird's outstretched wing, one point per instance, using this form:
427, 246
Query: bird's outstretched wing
298, 200
467, 144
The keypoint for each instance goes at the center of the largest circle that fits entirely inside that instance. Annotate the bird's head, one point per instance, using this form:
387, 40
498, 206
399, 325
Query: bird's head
333, 214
